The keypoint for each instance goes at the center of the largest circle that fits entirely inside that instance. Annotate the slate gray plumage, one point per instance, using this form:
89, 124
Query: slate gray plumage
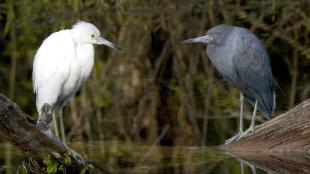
241, 58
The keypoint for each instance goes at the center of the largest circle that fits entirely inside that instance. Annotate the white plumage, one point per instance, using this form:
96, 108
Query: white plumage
63, 62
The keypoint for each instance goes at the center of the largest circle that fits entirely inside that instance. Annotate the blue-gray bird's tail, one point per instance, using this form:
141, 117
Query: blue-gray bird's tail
267, 103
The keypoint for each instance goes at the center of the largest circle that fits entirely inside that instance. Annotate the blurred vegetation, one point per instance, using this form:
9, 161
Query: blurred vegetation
156, 87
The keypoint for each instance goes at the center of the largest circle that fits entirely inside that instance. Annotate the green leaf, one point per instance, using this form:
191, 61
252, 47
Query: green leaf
51, 165
86, 168
67, 160
62, 169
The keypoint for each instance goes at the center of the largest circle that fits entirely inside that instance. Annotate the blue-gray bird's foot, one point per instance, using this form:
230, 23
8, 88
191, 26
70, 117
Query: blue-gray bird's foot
235, 137
246, 133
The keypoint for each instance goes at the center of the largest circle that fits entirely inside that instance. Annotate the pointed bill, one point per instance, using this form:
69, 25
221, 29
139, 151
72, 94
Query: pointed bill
202, 39
103, 41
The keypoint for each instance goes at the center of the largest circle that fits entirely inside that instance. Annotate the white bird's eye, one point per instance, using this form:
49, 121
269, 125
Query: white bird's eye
92, 36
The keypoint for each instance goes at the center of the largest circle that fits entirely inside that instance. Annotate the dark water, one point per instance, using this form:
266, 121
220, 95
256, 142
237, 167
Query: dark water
126, 157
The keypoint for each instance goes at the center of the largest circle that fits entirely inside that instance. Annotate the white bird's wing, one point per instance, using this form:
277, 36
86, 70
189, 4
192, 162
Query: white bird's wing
51, 67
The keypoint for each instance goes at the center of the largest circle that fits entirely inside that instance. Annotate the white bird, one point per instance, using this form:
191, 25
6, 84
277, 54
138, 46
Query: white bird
62, 63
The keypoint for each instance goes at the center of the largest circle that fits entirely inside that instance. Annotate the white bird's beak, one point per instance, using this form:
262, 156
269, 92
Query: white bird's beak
103, 41
202, 39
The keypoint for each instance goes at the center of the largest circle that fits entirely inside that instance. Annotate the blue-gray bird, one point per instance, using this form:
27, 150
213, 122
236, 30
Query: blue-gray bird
241, 58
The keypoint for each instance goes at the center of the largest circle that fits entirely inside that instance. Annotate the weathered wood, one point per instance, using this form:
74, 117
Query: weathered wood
21, 130
289, 132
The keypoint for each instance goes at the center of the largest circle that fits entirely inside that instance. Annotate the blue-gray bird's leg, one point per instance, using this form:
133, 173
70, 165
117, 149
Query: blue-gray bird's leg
242, 167
240, 122
242, 162
253, 169
241, 113
252, 126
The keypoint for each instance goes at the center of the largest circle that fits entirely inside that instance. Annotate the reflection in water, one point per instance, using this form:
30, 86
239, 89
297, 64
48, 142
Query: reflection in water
253, 169
128, 157
242, 163
297, 162
8, 157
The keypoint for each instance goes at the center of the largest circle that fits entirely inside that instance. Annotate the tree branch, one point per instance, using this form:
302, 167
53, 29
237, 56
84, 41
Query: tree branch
21, 130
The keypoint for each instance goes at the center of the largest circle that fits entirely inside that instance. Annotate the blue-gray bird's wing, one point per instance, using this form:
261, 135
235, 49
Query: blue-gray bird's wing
253, 69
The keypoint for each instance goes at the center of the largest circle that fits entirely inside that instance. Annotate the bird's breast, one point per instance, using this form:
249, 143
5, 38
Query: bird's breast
73, 82
80, 68
221, 58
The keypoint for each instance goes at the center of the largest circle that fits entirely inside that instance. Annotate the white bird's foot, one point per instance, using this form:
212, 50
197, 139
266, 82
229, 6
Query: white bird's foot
235, 137
46, 130
75, 155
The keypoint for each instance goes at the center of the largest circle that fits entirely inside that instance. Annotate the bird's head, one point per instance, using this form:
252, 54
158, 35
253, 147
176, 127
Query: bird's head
216, 35
87, 33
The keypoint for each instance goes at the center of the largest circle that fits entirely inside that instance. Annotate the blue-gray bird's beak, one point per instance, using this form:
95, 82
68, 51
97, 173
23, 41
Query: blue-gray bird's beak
103, 41
202, 39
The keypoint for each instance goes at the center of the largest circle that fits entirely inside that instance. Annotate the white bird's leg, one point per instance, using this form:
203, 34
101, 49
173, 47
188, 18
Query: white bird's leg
240, 122
75, 155
45, 114
62, 129
63, 136
252, 126
72, 152
55, 123
44, 119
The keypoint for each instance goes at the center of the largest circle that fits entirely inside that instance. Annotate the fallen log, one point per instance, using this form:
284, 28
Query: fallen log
289, 132
49, 152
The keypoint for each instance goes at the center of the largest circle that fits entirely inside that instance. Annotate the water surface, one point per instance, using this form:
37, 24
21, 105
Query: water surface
127, 157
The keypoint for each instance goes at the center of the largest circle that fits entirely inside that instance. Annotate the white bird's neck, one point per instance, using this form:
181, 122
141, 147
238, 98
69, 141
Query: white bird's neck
77, 36
85, 58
